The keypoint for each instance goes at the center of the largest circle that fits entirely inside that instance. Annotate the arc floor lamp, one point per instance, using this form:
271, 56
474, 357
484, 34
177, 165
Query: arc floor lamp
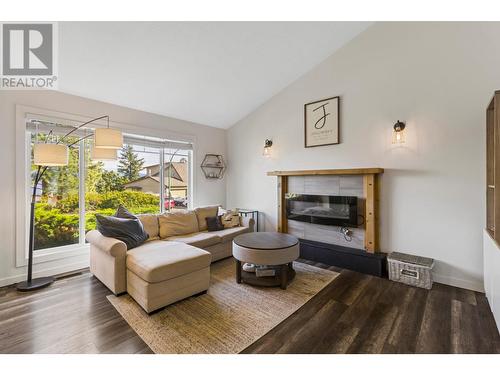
45, 155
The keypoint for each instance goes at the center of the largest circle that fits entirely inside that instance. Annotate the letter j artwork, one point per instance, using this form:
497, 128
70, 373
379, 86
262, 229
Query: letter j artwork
321, 122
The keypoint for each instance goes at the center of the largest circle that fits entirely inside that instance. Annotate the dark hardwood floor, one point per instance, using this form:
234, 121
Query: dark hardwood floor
72, 315
355, 313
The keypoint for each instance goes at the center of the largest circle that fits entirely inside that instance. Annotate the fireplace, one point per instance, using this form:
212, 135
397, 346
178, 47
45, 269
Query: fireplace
322, 209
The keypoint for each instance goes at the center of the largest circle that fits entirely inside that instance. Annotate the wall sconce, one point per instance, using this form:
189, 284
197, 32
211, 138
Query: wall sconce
267, 148
398, 135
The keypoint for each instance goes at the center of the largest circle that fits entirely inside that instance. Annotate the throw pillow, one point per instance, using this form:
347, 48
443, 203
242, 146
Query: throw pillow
214, 223
148, 221
124, 226
231, 219
122, 212
202, 213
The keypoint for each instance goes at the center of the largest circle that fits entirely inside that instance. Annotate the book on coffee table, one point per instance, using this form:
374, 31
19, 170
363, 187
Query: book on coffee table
265, 271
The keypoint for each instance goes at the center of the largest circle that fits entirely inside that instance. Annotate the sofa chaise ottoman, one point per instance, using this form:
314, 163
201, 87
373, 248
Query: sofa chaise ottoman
178, 243
159, 274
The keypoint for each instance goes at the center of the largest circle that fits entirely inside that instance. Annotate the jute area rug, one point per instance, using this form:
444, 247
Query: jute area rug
228, 318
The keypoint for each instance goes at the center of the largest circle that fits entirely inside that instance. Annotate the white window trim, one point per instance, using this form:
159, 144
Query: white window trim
22, 178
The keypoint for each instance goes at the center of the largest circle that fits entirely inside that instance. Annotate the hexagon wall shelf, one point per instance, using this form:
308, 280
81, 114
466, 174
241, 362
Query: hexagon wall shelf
213, 166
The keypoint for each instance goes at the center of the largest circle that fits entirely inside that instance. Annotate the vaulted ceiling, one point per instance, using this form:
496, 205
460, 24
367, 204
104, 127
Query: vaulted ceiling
212, 73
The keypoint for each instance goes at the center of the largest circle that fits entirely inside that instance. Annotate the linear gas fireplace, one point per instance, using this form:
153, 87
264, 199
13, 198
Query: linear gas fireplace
322, 209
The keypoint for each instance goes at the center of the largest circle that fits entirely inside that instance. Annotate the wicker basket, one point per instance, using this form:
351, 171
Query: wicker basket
410, 269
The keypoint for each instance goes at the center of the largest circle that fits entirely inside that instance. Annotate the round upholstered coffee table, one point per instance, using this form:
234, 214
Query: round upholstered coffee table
266, 249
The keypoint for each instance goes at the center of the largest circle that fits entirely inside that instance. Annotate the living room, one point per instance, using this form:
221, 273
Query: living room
264, 187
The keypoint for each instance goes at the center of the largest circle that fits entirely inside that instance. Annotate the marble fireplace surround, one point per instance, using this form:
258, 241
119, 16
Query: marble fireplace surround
361, 183
329, 185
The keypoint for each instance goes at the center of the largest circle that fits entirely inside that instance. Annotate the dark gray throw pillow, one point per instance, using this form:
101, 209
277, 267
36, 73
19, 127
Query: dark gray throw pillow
214, 223
124, 226
122, 212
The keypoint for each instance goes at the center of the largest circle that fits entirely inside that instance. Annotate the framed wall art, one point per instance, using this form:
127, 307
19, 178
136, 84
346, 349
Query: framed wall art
321, 122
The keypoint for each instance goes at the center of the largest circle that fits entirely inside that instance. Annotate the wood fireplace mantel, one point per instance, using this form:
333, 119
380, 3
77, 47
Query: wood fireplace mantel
318, 172
370, 187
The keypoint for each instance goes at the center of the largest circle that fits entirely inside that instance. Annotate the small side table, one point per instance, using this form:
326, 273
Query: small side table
255, 215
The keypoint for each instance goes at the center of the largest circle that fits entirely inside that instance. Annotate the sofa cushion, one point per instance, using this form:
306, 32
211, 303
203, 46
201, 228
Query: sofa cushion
151, 225
158, 261
202, 213
200, 239
177, 223
229, 233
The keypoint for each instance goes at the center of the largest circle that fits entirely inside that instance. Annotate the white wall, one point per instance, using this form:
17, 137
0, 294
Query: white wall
207, 140
436, 77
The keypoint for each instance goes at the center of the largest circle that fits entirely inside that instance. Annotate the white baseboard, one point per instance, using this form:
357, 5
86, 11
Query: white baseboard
46, 272
459, 283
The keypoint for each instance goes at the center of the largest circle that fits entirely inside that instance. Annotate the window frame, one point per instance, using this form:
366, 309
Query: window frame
23, 181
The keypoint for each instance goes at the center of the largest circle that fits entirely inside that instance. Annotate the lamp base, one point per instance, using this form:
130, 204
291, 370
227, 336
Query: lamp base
38, 283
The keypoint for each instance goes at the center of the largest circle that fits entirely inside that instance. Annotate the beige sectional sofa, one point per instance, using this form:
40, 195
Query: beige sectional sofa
173, 264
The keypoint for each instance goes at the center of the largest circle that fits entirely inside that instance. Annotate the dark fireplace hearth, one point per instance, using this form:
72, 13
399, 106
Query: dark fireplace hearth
344, 257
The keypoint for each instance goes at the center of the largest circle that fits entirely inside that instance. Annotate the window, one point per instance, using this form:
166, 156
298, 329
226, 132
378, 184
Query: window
57, 210
69, 197
176, 175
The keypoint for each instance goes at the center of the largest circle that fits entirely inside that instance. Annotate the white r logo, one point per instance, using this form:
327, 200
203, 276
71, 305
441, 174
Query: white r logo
27, 49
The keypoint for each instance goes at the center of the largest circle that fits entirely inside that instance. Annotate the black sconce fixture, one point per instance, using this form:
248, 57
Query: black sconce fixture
267, 148
398, 135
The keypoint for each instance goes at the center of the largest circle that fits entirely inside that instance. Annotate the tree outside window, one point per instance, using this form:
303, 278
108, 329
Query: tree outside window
133, 180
